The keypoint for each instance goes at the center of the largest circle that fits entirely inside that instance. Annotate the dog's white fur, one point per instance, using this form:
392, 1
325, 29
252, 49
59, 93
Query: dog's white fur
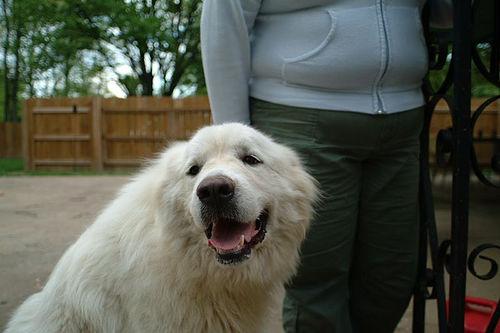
144, 265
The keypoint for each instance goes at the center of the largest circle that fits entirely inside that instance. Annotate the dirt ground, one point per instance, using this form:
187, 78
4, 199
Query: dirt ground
41, 216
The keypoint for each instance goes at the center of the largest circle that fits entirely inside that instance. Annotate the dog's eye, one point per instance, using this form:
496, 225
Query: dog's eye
251, 160
194, 170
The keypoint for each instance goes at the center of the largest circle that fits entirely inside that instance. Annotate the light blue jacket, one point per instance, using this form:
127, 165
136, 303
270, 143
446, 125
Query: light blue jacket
351, 55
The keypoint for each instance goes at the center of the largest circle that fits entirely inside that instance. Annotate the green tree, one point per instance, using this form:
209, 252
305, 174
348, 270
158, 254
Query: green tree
157, 38
129, 84
22, 22
75, 35
481, 87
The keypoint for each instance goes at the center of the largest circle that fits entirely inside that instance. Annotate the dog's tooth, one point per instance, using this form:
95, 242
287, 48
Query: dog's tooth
242, 241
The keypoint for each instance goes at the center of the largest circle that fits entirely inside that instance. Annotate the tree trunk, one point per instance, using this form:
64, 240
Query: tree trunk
6, 47
66, 87
147, 84
11, 76
6, 102
15, 80
146, 77
31, 86
174, 80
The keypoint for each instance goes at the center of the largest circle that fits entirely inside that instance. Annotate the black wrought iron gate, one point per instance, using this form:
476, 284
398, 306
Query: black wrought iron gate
475, 24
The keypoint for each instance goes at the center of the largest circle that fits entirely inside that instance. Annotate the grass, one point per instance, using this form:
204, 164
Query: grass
10, 165
15, 167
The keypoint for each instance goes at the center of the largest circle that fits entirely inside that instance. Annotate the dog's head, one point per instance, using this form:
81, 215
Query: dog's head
241, 196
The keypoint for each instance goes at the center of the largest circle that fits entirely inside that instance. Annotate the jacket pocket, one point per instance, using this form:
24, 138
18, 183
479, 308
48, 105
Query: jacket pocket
289, 62
347, 59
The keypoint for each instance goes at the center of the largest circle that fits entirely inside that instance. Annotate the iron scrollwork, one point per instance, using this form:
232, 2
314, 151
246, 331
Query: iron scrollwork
476, 253
475, 39
495, 159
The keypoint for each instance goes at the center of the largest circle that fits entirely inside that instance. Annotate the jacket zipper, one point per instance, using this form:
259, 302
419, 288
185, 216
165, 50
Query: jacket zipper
385, 60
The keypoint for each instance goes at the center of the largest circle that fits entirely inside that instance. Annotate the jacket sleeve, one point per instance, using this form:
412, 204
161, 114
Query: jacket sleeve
225, 48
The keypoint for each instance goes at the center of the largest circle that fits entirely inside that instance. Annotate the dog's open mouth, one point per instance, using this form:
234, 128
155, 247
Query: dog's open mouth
233, 240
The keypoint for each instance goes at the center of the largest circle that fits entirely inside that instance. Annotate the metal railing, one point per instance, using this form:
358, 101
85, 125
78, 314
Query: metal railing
456, 145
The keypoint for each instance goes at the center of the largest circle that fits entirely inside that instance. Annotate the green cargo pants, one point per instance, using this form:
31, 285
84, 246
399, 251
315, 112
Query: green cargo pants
359, 260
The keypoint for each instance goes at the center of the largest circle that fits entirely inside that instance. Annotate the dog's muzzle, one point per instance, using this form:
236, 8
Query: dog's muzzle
231, 238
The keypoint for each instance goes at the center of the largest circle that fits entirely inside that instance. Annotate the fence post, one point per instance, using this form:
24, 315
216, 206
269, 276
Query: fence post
26, 135
97, 143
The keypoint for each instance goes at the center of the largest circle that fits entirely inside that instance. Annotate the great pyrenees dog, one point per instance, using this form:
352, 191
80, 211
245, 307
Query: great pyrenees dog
202, 240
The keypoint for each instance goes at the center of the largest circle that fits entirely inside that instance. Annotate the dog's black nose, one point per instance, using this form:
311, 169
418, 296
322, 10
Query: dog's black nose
215, 190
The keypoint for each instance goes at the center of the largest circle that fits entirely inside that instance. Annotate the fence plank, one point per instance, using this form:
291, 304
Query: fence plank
62, 162
61, 109
42, 137
97, 133
28, 124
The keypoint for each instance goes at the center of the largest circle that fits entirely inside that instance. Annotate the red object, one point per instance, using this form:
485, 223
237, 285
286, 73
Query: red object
478, 313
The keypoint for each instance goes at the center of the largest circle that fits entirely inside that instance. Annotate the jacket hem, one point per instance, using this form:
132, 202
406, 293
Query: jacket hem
275, 91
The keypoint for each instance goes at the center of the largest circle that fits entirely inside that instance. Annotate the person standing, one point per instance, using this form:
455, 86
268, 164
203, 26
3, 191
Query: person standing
339, 81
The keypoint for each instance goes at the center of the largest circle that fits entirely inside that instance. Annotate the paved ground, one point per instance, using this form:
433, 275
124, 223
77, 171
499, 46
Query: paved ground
484, 227
41, 216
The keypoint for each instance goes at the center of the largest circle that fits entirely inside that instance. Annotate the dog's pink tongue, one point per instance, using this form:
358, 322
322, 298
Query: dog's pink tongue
227, 235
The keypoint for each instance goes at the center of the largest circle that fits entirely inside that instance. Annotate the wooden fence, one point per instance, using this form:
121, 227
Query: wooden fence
105, 133
10, 140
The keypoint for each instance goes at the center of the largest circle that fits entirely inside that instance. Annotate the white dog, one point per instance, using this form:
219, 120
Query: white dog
201, 241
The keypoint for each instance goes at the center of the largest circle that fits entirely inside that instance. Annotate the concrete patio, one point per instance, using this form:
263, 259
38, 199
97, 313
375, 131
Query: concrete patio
41, 216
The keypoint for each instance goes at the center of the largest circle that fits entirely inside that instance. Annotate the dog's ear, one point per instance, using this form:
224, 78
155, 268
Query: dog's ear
166, 167
296, 172
306, 183
173, 158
